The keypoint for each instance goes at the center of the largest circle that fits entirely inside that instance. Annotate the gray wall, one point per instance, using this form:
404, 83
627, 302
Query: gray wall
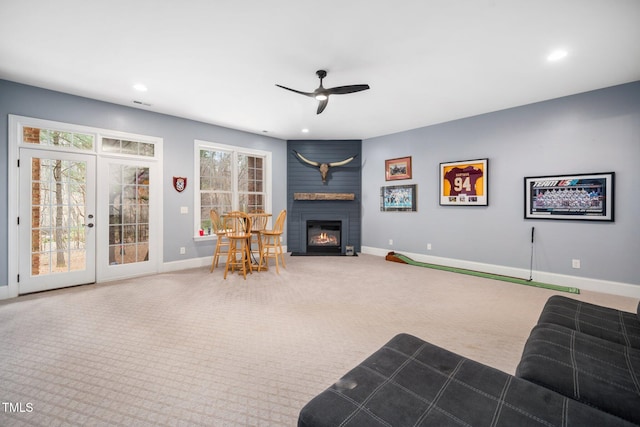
597, 131
592, 132
178, 135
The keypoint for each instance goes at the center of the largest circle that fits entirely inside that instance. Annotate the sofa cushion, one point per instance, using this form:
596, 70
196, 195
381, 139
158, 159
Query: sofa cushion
589, 369
602, 322
410, 382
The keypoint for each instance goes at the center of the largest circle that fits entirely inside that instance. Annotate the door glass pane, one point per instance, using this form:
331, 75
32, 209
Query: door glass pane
128, 214
58, 205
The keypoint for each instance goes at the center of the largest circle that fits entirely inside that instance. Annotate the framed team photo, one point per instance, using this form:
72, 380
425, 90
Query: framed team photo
586, 196
398, 198
464, 183
399, 168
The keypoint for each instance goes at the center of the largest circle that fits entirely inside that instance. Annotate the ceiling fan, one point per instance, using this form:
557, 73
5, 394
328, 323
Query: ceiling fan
322, 94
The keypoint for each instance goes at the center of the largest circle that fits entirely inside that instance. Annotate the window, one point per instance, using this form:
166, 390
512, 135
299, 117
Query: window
229, 178
250, 182
57, 138
120, 146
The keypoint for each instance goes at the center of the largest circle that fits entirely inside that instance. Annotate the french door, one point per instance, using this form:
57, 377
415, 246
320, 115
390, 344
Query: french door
57, 215
127, 242
88, 204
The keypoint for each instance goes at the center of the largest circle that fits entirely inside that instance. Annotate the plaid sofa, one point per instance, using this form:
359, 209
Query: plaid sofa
410, 382
594, 320
588, 353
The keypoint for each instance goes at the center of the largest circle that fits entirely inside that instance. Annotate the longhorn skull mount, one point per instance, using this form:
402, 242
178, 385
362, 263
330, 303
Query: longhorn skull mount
324, 167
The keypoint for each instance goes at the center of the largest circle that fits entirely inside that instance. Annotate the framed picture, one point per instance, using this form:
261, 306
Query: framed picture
399, 168
577, 197
464, 183
398, 198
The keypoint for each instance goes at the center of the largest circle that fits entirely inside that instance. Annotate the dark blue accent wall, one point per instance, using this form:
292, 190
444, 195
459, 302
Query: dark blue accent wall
304, 178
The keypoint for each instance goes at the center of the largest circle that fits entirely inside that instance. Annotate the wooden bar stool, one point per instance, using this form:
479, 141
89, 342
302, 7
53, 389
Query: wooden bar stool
259, 222
218, 228
239, 255
272, 241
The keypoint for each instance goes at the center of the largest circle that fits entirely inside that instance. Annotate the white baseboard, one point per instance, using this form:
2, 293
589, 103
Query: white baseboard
186, 264
194, 263
583, 283
587, 284
8, 291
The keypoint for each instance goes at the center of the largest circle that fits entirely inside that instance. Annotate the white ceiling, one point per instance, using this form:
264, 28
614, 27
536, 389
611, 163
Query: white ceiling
217, 61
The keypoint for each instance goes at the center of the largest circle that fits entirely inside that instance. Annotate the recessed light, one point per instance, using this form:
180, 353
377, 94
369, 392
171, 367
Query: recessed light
557, 55
140, 87
305, 130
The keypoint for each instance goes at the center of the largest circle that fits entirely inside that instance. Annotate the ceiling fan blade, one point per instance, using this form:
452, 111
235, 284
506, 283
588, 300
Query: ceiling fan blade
322, 95
297, 91
341, 90
322, 105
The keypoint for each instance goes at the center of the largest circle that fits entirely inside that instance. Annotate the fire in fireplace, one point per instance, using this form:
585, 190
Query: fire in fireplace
324, 236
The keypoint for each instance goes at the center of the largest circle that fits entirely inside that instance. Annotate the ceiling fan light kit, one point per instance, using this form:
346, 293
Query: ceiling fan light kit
322, 94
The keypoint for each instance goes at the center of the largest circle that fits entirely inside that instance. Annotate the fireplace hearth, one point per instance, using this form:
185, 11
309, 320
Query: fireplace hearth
324, 237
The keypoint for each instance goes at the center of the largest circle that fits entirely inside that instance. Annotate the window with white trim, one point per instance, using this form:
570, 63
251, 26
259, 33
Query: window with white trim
229, 178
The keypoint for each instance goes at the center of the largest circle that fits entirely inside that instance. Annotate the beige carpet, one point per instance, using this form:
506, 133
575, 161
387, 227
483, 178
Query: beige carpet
190, 348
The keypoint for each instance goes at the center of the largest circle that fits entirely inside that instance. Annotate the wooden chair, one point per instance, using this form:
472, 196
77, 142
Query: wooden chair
239, 254
272, 240
220, 230
259, 222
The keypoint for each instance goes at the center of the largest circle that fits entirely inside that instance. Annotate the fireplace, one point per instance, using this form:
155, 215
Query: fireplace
324, 236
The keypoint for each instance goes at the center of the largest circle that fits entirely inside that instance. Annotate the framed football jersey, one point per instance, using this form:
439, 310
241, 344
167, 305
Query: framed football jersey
464, 183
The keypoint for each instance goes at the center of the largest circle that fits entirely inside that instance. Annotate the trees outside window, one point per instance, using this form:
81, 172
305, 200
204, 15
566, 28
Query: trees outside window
230, 178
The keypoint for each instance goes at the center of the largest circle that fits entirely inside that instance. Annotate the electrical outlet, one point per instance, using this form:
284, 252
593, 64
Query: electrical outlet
428, 246
183, 250
184, 210
390, 242
575, 263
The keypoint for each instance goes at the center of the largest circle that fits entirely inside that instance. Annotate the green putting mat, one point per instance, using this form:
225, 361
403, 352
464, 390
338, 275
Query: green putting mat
409, 261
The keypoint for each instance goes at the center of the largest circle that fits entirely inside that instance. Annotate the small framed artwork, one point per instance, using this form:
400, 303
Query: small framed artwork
398, 198
399, 168
576, 197
464, 183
